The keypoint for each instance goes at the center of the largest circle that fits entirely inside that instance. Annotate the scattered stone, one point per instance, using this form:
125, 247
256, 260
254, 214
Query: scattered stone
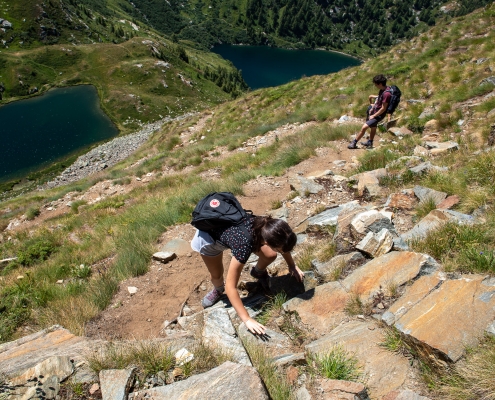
327, 270
226, 382
424, 194
421, 151
402, 131
132, 289
441, 147
280, 213
183, 356
489, 80
339, 389
309, 281
304, 185
369, 185
370, 221
290, 359
179, 247
343, 236
449, 202
164, 257
340, 163
94, 388
434, 220
404, 200
328, 217
303, 394
116, 383
426, 311
218, 331
376, 244
385, 371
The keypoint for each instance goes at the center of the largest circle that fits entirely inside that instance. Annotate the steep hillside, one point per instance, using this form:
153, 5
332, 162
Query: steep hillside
137, 71
76, 244
362, 27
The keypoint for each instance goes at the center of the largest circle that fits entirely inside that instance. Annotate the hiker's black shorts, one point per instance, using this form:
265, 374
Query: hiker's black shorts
373, 123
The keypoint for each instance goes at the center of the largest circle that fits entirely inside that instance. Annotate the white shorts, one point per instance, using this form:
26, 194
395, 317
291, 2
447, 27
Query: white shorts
205, 245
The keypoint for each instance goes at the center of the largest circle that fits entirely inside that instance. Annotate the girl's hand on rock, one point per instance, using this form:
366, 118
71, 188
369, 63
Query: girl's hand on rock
255, 327
297, 273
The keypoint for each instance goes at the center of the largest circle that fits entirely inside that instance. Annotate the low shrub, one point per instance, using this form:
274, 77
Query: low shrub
35, 250
32, 213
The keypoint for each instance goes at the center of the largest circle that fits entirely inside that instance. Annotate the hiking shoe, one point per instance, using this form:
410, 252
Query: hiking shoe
263, 278
368, 144
211, 298
352, 145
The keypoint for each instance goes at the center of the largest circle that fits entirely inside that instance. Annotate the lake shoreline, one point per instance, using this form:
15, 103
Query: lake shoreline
294, 48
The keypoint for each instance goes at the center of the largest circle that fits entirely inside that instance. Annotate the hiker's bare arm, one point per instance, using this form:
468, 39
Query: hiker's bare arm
372, 98
293, 268
380, 111
233, 276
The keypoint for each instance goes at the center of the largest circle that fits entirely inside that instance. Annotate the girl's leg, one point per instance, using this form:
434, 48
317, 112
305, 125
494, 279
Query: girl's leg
215, 267
266, 256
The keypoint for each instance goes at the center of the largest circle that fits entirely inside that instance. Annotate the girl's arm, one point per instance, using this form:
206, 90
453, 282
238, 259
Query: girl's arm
233, 276
293, 268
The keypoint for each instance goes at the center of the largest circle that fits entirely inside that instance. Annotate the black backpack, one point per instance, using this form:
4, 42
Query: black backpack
218, 210
394, 100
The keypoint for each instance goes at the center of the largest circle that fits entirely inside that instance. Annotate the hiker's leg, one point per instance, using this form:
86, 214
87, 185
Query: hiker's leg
266, 256
215, 267
372, 133
361, 132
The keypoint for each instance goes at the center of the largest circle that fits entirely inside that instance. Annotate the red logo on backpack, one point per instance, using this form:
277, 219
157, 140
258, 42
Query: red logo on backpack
214, 203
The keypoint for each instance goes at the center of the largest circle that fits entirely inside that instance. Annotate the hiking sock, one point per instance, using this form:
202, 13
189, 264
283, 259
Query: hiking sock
221, 288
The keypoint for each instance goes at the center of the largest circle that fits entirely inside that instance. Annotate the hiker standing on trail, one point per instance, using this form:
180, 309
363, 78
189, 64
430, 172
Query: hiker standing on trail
375, 113
261, 235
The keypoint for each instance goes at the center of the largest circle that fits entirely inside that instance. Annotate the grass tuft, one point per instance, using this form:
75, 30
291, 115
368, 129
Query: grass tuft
336, 363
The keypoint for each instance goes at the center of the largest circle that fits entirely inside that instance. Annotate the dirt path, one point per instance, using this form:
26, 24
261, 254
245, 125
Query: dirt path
164, 289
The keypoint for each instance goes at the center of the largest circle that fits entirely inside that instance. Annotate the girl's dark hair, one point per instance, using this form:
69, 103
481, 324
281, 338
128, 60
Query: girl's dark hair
275, 232
380, 79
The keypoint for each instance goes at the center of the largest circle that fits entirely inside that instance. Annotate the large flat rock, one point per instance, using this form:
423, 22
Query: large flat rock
226, 382
24, 353
395, 268
329, 217
321, 307
434, 220
219, 333
275, 343
386, 371
446, 315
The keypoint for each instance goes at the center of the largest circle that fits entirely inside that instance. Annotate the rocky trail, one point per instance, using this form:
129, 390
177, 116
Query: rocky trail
373, 270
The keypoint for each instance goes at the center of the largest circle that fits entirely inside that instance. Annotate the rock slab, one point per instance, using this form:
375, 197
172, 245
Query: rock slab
446, 315
226, 382
386, 371
219, 332
116, 383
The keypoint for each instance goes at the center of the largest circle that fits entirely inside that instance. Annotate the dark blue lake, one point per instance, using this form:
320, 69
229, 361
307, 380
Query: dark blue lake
264, 66
38, 131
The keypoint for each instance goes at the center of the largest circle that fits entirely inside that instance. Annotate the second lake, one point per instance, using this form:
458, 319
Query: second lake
264, 66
